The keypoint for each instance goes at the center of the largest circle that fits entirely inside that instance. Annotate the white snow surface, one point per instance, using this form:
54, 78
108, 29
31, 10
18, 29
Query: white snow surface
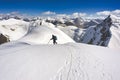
14, 29
115, 39
42, 34
71, 61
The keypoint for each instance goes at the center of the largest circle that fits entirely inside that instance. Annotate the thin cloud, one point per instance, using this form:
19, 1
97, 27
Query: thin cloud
103, 13
106, 13
76, 14
48, 13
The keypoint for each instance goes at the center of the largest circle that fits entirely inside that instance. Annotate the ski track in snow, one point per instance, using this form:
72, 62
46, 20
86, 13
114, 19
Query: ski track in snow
76, 69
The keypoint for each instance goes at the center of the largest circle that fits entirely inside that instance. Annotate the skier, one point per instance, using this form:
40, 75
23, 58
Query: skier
54, 38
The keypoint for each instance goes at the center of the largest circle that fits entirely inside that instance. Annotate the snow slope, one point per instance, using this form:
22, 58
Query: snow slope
71, 61
115, 39
42, 34
14, 29
32, 32
115, 30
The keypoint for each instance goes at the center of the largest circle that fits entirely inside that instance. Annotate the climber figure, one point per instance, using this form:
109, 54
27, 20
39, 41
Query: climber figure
54, 38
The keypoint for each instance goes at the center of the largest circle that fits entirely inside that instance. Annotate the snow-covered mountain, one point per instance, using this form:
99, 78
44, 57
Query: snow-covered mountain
34, 32
92, 23
14, 29
15, 15
96, 31
30, 56
41, 34
99, 34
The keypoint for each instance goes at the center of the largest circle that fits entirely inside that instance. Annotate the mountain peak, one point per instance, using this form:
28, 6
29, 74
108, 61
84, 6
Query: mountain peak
107, 21
99, 34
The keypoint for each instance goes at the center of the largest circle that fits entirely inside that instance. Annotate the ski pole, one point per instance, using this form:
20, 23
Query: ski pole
48, 41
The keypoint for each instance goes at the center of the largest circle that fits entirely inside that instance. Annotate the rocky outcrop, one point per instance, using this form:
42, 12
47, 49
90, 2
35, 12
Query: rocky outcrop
3, 39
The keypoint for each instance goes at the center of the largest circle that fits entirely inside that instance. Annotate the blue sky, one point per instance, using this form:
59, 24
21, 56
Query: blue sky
58, 6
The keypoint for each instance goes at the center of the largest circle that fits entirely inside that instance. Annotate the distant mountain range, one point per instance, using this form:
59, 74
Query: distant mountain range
90, 31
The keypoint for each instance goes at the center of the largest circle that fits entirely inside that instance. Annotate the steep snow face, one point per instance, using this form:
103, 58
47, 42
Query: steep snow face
115, 39
20, 61
43, 33
97, 35
13, 28
115, 30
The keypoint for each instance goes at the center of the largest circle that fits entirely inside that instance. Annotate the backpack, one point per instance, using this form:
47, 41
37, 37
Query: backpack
55, 37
